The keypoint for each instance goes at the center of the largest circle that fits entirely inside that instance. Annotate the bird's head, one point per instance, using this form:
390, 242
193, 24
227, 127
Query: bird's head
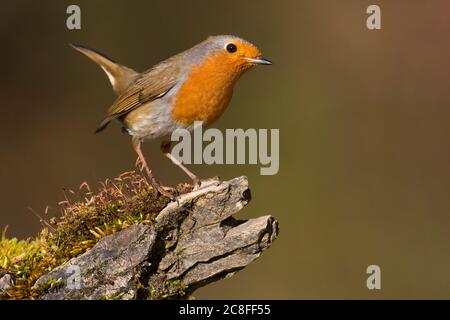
234, 52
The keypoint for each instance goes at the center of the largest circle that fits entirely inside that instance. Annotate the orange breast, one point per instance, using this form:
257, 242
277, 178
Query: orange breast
206, 92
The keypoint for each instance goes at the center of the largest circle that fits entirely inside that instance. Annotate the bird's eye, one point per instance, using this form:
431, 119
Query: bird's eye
231, 48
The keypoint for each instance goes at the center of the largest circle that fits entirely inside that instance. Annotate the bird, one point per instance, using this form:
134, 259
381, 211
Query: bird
195, 85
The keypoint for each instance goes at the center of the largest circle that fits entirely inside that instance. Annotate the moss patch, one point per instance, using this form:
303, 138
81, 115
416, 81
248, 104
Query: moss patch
86, 217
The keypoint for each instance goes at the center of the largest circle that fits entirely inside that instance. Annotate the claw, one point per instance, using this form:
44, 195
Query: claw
199, 182
158, 189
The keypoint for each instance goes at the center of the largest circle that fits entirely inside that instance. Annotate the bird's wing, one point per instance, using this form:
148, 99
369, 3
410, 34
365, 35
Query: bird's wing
151, 85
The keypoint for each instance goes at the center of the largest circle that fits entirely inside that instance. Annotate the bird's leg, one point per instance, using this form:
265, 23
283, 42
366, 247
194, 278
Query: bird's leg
141, 160
141, 163
166, 148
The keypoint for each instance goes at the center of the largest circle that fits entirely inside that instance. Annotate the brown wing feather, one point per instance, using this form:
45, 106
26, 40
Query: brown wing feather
151, 85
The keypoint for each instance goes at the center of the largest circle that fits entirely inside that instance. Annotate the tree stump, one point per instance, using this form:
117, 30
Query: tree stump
193, 242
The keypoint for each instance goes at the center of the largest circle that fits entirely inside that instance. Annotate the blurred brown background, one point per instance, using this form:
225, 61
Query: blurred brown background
363, 117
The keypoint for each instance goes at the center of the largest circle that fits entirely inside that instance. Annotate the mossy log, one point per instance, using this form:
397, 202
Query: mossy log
193, 241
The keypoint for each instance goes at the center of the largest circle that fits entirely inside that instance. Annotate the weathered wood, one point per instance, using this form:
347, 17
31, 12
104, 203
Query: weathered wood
194, 241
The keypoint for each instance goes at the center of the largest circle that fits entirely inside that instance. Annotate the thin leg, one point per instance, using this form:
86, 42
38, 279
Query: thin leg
141, 159
165, 148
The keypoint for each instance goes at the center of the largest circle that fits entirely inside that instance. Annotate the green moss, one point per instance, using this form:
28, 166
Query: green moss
153, 294
125, 200
12, 250
176, 288
48, 285
113, 297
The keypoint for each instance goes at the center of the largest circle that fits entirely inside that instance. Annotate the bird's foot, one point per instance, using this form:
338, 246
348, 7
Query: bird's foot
158, 189
199, 183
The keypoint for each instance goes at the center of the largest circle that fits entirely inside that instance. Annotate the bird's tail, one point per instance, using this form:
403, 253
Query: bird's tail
120, 76
103, 124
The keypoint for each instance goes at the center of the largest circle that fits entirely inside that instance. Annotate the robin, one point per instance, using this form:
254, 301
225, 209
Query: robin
194, 85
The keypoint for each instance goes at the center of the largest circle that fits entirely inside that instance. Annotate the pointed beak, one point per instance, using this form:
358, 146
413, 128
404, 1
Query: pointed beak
259, 60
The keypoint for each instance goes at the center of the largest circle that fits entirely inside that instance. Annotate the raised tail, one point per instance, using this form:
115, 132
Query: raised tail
120, 76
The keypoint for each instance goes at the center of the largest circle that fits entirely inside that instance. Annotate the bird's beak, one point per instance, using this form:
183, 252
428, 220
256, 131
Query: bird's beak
259, 60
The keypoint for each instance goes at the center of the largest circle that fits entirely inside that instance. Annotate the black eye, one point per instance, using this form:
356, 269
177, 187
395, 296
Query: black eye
231, 48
